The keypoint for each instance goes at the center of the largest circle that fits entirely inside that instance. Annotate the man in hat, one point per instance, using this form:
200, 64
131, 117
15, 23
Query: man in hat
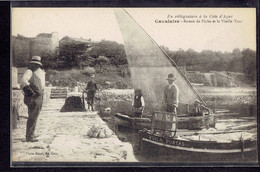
171, 94
199, 109
33, 83
91, 91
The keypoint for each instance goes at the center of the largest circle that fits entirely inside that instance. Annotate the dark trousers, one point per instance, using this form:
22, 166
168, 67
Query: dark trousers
173, 127
138, 114
34, 109
90, 98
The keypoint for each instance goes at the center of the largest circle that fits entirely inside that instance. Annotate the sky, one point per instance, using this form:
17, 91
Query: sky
100, 23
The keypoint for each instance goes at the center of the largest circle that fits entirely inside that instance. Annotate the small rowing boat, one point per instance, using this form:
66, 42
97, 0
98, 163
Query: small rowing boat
184, 122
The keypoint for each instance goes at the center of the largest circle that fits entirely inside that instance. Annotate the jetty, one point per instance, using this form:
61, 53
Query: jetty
63, 138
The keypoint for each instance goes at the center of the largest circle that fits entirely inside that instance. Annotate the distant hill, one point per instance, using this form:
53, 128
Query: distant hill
220, 79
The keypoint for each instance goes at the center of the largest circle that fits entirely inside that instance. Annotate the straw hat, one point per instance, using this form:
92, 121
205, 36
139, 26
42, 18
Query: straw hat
36, 60
171, 77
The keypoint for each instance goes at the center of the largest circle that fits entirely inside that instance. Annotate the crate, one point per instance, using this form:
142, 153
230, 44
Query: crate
164, 123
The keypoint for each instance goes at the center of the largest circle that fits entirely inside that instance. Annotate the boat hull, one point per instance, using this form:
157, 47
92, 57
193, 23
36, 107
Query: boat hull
199, 150
191, 123
134, 123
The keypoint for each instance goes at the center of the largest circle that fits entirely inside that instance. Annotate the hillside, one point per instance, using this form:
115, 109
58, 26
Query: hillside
119, 78
113, 78
220, 79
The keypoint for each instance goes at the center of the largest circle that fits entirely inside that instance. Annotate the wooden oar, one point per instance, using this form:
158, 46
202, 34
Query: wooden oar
222, 111
225, 114
221, 132
83, 100
248, 118
245, 126
190, 133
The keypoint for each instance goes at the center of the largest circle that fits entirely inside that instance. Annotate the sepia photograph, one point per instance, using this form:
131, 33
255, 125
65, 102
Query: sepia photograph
133, 85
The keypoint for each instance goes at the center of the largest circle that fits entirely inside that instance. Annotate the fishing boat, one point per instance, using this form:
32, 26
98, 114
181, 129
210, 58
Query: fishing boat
209, 144
205, 149
131, 122
184, 122
149, 65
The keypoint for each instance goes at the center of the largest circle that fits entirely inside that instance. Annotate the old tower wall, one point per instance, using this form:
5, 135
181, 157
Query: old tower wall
24, 48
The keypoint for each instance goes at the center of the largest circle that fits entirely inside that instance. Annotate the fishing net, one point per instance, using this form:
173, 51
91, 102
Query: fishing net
149, 65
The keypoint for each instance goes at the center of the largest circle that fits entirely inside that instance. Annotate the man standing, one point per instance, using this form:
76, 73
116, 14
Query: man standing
33, 83
138, 103
171, 94
170, 100
91, 91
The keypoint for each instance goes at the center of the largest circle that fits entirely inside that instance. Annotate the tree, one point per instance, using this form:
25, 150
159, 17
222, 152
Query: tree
108, 49
100, 61
72, 53
118, 60
249, 63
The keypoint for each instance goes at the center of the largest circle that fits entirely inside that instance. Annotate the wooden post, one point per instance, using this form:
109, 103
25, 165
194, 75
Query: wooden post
140, 143
14, 116
116, 126
165, 123
242, 146
187, 108
214, 108
153, 123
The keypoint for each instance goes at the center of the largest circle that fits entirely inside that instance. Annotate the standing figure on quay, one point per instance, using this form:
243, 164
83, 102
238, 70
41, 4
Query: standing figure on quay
33, 83
91, 91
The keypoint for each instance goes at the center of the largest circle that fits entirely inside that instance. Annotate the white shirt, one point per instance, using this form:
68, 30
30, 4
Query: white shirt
28, 74
142, 101
169, 86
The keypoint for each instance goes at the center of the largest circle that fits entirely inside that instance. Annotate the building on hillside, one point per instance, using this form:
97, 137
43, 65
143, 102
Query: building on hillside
70, 40
44, 42
23, 48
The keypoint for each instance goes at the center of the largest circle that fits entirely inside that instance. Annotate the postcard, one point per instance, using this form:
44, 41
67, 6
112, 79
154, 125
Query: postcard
133, 86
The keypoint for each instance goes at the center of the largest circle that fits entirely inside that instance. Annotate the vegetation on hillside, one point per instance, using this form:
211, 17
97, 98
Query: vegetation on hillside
207, 60
108, 77
79, 55
105, 55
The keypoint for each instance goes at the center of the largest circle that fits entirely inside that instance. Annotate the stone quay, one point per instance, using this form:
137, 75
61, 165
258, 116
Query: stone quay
63, 138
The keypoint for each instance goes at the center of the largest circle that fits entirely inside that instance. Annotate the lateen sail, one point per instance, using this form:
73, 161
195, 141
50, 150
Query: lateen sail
150, 65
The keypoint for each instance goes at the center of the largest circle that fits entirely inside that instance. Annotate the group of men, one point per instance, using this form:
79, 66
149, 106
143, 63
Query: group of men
33, 83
